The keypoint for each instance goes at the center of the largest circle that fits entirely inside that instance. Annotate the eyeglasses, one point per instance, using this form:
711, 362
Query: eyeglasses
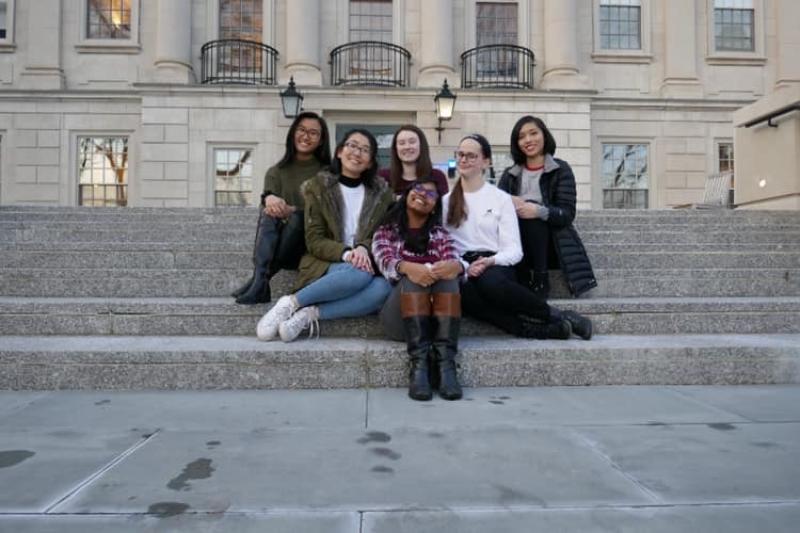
431, 194
311, 134
355, 147
469, 156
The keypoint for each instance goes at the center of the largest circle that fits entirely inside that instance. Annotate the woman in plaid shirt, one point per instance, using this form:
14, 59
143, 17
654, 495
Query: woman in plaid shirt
415, 252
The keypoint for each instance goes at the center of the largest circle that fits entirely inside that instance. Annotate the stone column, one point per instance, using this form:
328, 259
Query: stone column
302, 42
680, 50
42, 68
436, 52
561, 46
174, 42
788, 61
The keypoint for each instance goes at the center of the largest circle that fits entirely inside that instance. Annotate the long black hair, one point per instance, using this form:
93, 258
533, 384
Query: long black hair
367, 176
416, 242
323, 151
549, 141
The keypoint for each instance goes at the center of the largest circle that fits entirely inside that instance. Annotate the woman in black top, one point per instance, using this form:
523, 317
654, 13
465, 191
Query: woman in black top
543, 191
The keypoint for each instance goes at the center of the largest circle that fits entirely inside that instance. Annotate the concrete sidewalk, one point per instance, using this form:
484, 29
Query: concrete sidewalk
622, 459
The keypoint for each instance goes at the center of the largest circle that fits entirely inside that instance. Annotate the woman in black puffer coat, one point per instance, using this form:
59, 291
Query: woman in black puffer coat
543, 191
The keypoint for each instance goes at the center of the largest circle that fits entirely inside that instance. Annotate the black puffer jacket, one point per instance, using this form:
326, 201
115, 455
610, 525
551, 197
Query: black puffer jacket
558, 191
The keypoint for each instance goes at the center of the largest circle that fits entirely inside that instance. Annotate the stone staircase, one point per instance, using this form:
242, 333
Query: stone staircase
137, 299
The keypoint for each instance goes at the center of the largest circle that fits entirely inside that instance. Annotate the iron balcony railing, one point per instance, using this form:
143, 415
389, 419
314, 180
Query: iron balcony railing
502, 66
370, 63
238, 61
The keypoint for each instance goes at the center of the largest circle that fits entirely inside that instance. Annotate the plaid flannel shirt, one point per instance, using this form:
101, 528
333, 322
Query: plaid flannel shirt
387, 248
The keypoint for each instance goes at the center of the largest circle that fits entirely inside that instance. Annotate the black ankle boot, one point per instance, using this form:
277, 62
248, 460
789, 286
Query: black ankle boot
445, 347
540, 284
581, 325
258, 292
561, 330
417, 332
243, 289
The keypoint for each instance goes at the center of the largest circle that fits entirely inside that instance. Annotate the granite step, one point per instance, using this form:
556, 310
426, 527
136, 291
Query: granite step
222, 317
137, 363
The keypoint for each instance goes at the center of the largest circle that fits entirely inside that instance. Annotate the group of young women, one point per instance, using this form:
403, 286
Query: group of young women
398, 241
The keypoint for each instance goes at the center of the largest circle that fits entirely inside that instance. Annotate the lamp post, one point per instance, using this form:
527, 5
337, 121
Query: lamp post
291, 100
445, 102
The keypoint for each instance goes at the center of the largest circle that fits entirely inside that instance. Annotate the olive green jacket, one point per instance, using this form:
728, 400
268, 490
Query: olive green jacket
323, 221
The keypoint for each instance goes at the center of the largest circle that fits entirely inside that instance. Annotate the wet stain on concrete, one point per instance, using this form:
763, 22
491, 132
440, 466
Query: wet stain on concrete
723, 426
436, 435
167, 509
380, 469
511, 495
497, 402
374, 436
146, 435
213, 443
103, 402
387, 453
504, 397
199, 469
765, 444
657, 424
9, 458
469, 399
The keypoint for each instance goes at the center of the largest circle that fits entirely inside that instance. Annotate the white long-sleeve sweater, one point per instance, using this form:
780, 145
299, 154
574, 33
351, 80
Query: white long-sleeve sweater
491, 225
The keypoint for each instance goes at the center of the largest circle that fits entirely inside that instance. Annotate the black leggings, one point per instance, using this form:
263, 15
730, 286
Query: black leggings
535, 236
496, 297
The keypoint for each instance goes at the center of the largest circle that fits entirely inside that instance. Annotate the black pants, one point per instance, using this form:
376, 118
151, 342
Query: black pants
535, 236
291, 241
496, 297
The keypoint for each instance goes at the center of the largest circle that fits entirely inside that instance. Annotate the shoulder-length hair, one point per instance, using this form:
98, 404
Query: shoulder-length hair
398, 216
457, 208
323, 151
549, 141
367, 176
424, 165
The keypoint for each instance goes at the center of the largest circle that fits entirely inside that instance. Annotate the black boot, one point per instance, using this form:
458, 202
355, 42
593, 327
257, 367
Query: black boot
560, 329
417, 331
266, 240
581, 325
445, 347
540, 284
243, 289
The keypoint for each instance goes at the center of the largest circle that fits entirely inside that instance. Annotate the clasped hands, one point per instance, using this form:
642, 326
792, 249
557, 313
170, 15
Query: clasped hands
428, 274
276, 207
525, 210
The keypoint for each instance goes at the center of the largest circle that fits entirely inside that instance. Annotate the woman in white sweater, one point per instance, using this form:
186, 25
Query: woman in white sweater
483, 223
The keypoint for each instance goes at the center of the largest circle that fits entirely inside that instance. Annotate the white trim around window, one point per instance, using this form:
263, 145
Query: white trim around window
108, 46
73, 146
7, 42
643, 54
523, 23
256, 180
267, 25
731, 57
398, 22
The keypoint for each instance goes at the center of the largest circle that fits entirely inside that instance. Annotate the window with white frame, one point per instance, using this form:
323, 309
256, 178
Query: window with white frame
620, 24
625, 176
725, 165
370, 20
233, 176
103, 171
6, 19
108, 19
496, 24
734, 25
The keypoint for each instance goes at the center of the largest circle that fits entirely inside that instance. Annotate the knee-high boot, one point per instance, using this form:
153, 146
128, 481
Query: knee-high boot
266, 240
418, 339
447, 314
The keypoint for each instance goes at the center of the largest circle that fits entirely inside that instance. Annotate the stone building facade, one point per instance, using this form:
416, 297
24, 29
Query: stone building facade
176, 102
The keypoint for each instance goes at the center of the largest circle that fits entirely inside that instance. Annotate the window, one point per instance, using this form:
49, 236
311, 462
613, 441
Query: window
6, 19
496, 23
233, 176
625, 176
103, 171
725, 165
370, 20
620, 24
241, 19
734, 25
109, 19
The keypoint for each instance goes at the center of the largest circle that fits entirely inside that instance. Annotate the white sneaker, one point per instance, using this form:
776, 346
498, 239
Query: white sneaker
267, 328
307, 317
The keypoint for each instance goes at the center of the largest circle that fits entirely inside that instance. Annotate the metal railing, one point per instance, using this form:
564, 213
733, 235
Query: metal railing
370, 63
502, 66
237, 61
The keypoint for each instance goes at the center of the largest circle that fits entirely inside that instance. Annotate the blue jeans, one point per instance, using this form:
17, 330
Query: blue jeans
345, 291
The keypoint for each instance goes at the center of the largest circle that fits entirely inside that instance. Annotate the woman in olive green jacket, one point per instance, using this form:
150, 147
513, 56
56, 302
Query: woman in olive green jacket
337, 277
